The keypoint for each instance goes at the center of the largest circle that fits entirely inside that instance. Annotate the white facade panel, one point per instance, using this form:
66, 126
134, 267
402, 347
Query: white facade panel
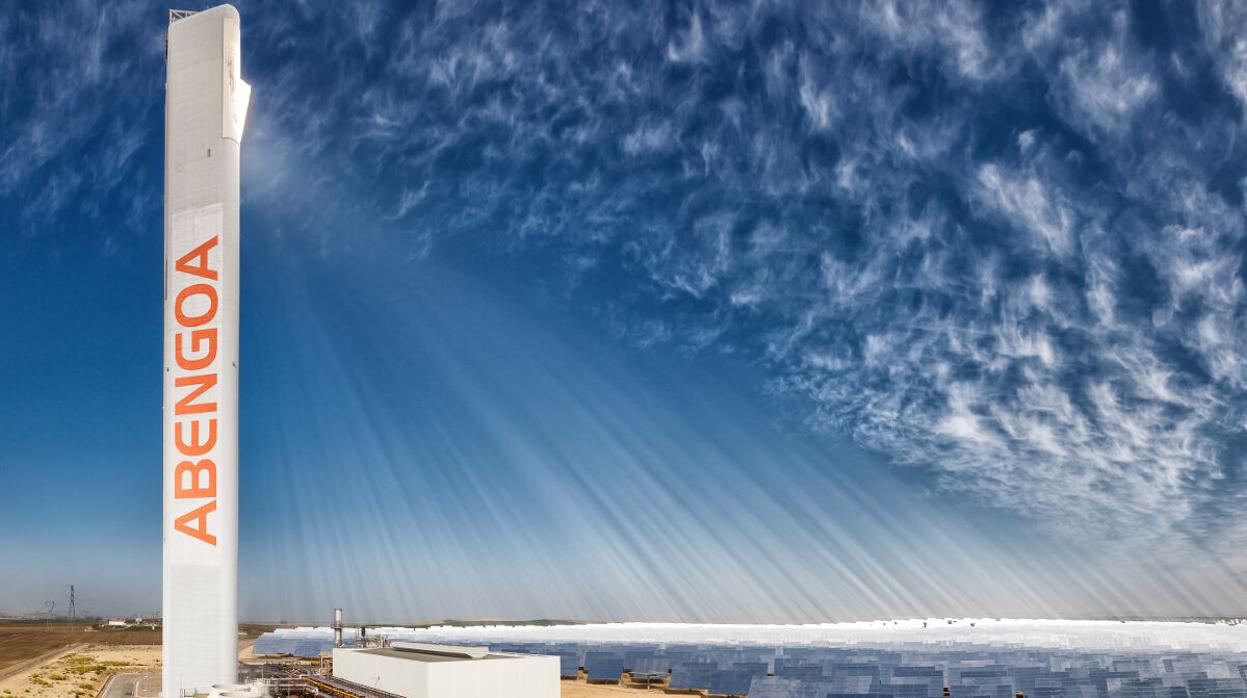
203, 117
511, 675
382, 673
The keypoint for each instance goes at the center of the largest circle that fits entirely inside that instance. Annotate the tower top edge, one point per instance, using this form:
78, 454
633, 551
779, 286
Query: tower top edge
225, 9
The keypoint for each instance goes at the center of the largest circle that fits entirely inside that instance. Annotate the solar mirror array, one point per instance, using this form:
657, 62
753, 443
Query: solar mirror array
899, 671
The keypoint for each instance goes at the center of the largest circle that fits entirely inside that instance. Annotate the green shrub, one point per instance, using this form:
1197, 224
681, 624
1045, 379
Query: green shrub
88, 669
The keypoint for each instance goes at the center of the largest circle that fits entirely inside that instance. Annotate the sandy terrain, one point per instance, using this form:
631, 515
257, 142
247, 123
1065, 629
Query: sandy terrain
580, 689
23, 642
83, 671
79, 671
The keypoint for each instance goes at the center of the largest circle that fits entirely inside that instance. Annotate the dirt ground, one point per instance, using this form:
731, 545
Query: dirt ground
23, 642
580, 689
79, 672
66, 661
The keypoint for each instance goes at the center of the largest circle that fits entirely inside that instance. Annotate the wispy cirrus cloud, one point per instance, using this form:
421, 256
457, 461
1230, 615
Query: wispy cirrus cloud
987, 245
78, 108
1004, 247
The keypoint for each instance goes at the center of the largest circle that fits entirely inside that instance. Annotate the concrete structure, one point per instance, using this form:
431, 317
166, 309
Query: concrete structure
429, 671
236, 690
205, 108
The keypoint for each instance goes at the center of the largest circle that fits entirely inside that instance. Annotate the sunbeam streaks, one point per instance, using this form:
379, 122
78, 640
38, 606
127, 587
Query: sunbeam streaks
619, 490
705, 312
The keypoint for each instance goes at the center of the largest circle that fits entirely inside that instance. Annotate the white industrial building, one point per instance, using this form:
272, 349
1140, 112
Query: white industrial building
414, 670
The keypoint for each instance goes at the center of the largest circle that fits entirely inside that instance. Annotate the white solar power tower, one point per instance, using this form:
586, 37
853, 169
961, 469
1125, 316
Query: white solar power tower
205, 108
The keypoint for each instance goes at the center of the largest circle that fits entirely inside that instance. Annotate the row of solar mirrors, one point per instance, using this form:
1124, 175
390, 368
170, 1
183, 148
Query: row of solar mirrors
822, 672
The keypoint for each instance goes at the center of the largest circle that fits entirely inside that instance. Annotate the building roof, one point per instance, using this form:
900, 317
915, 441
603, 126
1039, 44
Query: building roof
429, 657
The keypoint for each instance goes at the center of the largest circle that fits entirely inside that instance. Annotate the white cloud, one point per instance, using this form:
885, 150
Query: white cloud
648, 138
1024, 199
1103, 80
1225, 34
689, 46
987, 249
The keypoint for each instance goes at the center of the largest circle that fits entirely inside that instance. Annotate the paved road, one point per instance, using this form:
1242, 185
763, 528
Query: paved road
132, 686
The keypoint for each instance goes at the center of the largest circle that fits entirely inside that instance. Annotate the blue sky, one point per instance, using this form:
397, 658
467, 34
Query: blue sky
712, 311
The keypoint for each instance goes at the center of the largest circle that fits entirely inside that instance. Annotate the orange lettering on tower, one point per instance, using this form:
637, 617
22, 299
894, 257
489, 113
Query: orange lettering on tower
191, 471
199, 515
189, 292
201, 254
186, 405
207, 336
194, 448
196, 305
